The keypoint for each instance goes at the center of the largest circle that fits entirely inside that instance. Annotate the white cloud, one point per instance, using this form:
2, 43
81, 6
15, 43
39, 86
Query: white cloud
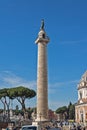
56, 85
8, 79
11, 80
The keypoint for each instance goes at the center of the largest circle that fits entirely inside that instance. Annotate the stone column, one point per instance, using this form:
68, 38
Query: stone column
42, 77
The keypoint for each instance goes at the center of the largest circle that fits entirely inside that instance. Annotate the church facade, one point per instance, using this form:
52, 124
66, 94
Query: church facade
81, 105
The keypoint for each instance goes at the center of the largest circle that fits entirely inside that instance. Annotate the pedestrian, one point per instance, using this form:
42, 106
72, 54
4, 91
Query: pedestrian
61, 124
7, 128
79, 127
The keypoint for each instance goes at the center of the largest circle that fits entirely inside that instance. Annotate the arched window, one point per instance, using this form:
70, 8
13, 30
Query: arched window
81, 117
86, 116
80, 95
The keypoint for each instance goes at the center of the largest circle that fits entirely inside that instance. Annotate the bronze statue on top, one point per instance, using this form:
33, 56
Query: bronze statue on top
42, 24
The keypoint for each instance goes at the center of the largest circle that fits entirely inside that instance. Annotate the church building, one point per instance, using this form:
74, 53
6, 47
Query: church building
81, 105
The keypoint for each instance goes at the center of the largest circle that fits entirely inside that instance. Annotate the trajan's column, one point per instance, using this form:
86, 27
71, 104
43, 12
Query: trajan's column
42, 78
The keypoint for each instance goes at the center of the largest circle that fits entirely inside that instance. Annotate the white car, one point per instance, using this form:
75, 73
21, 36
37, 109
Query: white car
30, 127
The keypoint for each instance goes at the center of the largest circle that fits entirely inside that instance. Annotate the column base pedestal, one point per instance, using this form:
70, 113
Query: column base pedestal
41, 120
42, 124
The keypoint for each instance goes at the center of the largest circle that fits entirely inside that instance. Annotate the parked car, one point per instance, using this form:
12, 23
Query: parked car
30, 127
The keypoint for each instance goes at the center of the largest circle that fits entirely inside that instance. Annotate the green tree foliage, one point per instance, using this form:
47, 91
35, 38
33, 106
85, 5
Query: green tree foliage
61, 109
72, 112
63, 112
67, 112
21, 94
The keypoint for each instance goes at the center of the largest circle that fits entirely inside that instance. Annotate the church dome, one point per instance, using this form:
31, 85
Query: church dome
83, 81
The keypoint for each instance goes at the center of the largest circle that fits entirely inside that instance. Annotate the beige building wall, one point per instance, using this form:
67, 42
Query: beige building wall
81, 113
81, 106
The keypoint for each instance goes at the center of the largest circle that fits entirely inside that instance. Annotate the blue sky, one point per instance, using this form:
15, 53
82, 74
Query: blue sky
65, 24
